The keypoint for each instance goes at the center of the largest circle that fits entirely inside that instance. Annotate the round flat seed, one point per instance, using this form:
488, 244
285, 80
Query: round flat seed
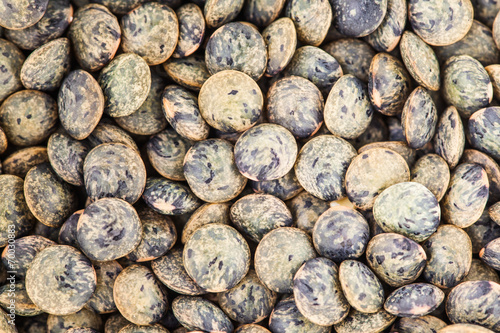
365, 322
281, 40
81, 104
478, 43
28, 117
12, 60
262, 12
49, 198
341, 233
312, 19
52, 25
479, 271
371, 172
139, 297
190, 72
482, 232
3, 141
354, 56
150, 31
249, 301
419, 324
211, 172
251, 328
490, 254
296, 104
348, 110
15, 210
409, 209
257, 214
464, 328
484, 131
389, 84
419, 118
60, 280
286, 318
207, 213
149, 118
196, 313
191, 30
358, 18
18, 15
231, 101
66, 156
180, 107
108, 229
166, 151
494, 212
465, 74
409, 154
414, 300
46, 66
279, 256
449, 140
169, 197
85, 318
102, 299
237, 46
158, 236
450, 253
433, 172
317, 66
306, 209
107, 133
114, 170
269, 161
220, 12
318, 294
420, 60
26, 249
475, 302
95, 34
125, 83
467, 195
361, 287
217, 257
386, 37
170, 270
440, 22
322, 164
396, 260
23, 305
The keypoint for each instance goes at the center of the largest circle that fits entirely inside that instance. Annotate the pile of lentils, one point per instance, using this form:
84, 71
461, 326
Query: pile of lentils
250, 166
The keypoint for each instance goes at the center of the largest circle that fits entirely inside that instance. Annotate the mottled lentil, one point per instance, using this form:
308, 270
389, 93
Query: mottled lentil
449, 253
150, 31
108, 229
96, 35
45, 273
139, 296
